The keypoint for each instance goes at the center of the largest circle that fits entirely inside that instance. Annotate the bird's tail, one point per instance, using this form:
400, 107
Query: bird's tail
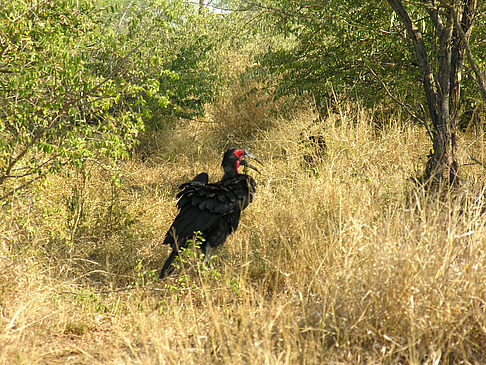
168, 268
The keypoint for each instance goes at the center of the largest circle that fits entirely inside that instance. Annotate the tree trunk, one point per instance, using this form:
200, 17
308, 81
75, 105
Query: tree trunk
442, 164
442, 86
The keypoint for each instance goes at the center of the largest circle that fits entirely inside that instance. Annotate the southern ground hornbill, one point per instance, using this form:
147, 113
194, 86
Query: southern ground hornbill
211, 208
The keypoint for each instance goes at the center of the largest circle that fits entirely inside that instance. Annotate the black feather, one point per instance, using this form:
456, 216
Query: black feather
214, 209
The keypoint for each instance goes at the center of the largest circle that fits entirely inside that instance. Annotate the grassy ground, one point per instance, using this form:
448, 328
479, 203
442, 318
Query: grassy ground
338, 260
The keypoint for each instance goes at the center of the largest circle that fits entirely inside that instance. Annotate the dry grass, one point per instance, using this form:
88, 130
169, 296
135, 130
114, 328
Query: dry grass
338, 260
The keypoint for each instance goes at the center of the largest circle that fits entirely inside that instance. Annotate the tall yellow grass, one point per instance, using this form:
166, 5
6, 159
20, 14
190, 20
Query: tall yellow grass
339, 259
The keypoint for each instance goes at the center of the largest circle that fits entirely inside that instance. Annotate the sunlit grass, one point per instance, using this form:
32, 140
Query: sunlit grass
339, 259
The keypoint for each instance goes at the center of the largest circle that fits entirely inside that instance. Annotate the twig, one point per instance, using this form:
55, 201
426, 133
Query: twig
228, 9
21, 15
478, 162
37, 168
480, 80
130, 288
403, 105
11, 192
118, 65
12, 163
58, 118
101, 291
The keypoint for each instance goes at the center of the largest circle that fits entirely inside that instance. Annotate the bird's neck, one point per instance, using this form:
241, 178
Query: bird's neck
229, 171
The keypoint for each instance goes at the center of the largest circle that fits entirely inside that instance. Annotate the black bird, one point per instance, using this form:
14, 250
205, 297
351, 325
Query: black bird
211, 208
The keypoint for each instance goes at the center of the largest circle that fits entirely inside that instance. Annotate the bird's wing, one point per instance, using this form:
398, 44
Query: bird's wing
189, 219
223, 197
201, 205
201, 178
236, 193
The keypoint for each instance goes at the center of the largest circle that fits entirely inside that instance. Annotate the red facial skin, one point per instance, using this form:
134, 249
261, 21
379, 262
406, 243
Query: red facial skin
239, 154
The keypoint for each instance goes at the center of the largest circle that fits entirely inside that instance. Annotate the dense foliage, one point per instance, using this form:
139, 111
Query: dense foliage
175, 53
80, 79
354, 48
57, 106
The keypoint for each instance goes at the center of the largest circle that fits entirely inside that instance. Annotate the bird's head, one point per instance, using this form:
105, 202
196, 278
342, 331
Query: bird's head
233, 158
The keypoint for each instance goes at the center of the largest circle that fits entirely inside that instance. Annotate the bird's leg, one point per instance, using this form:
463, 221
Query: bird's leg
207, 258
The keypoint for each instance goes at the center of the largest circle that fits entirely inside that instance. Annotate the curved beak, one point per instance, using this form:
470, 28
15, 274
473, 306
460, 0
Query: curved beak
244, 162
